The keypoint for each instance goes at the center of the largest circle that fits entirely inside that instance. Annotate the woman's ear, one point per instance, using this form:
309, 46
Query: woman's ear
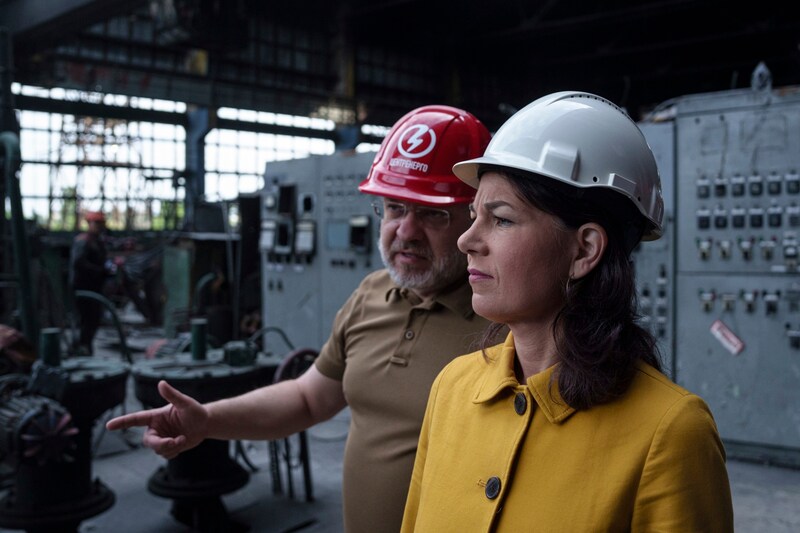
592, 241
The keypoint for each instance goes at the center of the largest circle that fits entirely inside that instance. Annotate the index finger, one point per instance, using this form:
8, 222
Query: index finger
142, 418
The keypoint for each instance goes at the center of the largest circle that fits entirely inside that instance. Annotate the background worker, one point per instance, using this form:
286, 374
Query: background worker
389, 340
88, 270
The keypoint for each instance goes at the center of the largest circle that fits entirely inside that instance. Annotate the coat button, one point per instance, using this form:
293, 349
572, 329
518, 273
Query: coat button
493, 487
409, 335
520, 403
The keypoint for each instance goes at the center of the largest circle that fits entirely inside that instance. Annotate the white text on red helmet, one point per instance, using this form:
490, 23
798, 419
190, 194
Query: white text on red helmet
405, 163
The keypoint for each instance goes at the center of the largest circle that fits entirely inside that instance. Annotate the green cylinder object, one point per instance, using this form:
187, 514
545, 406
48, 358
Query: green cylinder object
48, 346
199, 326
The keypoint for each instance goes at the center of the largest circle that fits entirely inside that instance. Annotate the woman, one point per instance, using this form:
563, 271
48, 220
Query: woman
569, 425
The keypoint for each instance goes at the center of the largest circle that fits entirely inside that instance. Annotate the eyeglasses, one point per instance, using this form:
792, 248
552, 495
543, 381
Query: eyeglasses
429, 217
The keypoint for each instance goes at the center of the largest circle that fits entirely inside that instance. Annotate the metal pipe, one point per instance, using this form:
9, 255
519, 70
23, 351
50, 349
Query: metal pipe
10, 152
114, 316
198, 290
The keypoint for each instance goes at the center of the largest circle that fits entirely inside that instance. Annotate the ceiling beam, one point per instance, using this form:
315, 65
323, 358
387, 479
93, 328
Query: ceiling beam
34, 24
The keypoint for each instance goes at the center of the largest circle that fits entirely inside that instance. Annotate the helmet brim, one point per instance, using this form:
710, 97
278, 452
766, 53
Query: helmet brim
422, 191
467, 171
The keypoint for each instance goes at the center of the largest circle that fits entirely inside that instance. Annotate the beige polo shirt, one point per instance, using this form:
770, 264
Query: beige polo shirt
387, 346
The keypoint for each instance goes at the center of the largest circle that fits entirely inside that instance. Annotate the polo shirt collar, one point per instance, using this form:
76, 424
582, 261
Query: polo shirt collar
499, 375
457, 298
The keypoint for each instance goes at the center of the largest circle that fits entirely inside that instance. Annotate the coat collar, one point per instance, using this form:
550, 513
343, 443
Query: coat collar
499, 375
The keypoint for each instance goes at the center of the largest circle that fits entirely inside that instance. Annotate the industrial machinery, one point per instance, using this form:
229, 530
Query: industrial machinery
721, 290
318, 240
653, 260
196, 479
46, 421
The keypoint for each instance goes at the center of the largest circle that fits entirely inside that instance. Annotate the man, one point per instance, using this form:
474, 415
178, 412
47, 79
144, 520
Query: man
88, 271
389, 340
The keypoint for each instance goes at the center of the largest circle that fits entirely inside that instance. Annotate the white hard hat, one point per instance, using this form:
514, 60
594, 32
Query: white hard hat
580, 139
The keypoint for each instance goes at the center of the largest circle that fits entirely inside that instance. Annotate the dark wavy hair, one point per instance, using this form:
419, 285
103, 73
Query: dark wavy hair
597, 336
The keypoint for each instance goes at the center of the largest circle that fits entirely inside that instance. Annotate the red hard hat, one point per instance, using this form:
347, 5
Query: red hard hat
415, 161
94, 216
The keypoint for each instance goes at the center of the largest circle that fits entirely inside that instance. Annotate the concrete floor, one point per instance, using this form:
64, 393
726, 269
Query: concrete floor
766, 499
126, 471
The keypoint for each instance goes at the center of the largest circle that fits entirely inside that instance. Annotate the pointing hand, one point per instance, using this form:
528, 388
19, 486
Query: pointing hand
171, 429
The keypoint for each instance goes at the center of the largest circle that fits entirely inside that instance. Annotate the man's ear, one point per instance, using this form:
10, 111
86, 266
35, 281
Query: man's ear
592, 240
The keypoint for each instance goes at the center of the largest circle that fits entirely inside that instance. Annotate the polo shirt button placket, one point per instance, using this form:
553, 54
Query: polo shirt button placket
408, 335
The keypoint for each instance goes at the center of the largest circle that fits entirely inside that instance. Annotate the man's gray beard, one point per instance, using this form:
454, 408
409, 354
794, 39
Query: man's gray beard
444, 271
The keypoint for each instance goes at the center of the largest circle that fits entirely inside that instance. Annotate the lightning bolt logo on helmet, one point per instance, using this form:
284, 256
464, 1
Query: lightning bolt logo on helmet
413, 138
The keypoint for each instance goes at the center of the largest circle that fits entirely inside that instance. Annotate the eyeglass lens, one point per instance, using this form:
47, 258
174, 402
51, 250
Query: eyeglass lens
428, 216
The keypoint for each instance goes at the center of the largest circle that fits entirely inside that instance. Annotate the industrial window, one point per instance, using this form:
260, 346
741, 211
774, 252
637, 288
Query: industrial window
133, 169
235, 160
77, 162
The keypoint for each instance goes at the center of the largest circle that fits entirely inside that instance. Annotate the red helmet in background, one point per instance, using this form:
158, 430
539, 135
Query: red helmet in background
94, 216
415, 161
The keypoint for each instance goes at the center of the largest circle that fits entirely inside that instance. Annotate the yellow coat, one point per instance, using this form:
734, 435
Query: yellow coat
495, 455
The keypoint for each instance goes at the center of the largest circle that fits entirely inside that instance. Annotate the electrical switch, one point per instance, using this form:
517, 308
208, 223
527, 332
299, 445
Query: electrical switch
703, 188
794, 337
775, 216
793, 183
756, 217
774, 184
720, 218
704, 246
793, 297
737, 186
703, 218
755, 185
767, 249
661, 327
771, 302
720, 187
725, 247
728, 301
707, 299
661, 306
737, 217
793, 216
746, 246
749, 298
790, 252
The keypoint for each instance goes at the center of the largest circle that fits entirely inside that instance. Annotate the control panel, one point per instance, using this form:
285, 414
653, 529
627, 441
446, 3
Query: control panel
735, 288
653, 260
318, 240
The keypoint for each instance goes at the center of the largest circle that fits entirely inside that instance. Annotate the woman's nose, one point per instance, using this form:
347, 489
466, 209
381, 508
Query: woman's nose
466, 240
